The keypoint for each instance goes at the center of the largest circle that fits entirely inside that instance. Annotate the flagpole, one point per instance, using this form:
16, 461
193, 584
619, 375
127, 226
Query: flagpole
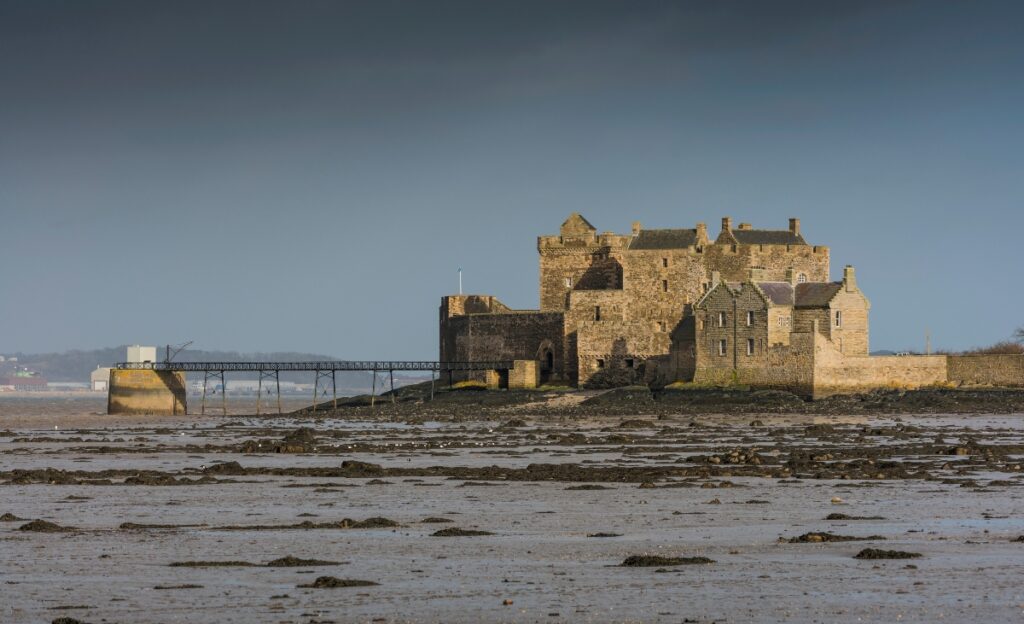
460, 280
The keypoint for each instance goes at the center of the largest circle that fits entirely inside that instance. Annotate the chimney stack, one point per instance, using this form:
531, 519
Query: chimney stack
727, 224
794, 226
636, 228
746, 226
849, 279
716, 277
702, 233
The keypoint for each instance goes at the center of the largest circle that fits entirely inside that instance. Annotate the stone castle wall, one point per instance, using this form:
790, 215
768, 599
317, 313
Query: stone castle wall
785, 367
996, 370
504, 335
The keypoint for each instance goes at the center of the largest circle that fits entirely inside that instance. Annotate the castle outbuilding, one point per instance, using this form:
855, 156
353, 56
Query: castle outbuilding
752, 307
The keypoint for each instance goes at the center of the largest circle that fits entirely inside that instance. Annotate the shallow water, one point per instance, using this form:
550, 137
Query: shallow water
539, 557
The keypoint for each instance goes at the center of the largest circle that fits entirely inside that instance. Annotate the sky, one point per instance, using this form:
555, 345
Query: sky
309, 176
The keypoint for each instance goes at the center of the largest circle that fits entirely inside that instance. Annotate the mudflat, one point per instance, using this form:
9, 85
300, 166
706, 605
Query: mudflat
516, 516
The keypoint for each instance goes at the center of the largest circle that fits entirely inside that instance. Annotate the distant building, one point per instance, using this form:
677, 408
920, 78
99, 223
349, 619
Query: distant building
138, 354
99, 379
24, 379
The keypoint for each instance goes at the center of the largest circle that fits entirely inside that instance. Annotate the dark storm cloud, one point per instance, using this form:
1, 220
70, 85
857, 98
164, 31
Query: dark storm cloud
280, 152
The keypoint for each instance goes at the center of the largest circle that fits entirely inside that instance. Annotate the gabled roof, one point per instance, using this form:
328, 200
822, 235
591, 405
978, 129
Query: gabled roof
729, 289
779, 293
768, 237
816, 294
664, 239
577, 223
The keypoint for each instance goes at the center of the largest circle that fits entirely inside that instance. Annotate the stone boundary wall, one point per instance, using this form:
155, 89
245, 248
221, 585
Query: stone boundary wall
789, 367
995, 370
861, 374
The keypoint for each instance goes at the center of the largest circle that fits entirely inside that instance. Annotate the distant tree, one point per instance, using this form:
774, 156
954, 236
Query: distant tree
1006, 347
1019, 334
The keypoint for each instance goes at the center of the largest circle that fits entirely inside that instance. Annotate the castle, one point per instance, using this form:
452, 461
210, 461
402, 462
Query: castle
749, 307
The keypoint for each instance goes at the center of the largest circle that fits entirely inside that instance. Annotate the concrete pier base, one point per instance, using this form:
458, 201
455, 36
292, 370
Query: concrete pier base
146, 392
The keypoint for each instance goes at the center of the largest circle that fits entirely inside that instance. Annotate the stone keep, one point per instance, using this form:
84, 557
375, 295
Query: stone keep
752, 306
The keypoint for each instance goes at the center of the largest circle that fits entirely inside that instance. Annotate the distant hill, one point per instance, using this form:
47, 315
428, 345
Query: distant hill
77, 365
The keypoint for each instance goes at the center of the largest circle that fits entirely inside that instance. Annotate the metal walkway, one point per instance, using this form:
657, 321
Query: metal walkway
328, 365
322, 370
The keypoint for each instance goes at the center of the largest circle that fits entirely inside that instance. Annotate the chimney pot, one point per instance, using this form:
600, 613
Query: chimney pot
726, 224
794, 226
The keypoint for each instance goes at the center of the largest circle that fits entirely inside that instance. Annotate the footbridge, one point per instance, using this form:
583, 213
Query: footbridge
171, 375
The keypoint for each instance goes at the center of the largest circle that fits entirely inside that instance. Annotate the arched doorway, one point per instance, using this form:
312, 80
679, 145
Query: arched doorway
546, 359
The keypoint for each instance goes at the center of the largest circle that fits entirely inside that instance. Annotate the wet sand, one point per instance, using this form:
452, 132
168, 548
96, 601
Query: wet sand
176, 519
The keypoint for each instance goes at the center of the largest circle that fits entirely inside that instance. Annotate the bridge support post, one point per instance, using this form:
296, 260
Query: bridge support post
259, 394
206, 377
223, 394
431, 384
392, 374
316, 382
334, 389
373, 388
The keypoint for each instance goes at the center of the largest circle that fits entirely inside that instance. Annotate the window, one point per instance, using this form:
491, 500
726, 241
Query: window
664, 285
839, 318
597, 313
721, 319
661, 326
704, 286
568, 282
629, 363
599, 364
802, 278
664, 262
750, 346
702, 324
750, 318
721, 347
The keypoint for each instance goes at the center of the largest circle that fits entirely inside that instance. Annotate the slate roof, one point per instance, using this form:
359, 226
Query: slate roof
816, 294
768, 237
664, 239
779, 293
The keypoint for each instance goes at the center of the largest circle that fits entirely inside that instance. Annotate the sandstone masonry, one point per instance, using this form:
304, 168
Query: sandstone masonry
656, 306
